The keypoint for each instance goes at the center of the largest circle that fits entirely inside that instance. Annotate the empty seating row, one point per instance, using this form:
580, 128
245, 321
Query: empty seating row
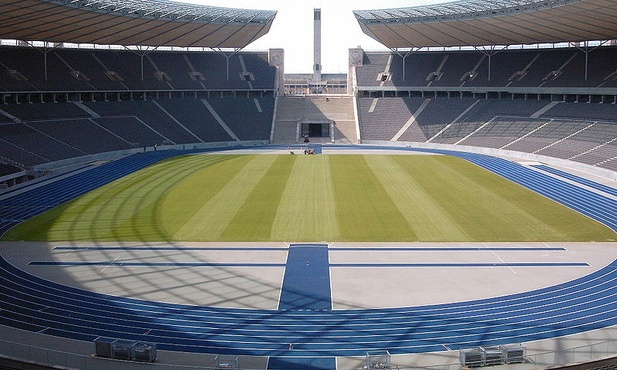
557, 67
520, 125
31, 69
77, 129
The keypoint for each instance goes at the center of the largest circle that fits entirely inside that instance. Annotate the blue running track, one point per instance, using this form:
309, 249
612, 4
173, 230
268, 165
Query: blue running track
578, 179
317, 332
30, 303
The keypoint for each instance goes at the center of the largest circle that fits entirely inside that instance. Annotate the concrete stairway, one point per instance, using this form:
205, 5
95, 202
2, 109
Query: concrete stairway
293, 110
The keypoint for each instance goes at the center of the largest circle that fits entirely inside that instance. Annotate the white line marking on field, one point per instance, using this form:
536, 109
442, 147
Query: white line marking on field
112, 262
499, 258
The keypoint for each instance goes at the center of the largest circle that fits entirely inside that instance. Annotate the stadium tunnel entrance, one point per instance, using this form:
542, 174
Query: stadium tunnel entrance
315, 129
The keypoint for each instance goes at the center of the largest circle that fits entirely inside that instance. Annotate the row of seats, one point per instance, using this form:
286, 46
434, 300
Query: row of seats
33, 69
576, 131
50, 132
561, 67
7, 169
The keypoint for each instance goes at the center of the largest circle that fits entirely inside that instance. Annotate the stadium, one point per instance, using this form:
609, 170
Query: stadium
171, 200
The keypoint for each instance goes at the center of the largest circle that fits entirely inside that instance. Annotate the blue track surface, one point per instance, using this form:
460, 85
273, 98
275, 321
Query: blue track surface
578, 179
30, 303
306, 284
38, 305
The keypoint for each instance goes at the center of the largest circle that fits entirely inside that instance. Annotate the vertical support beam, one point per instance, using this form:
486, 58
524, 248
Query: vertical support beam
46, 49
404, 57
586, 62
45, 62
227, 56
489, 52
142, 66
227, 64
587, 49
489, 66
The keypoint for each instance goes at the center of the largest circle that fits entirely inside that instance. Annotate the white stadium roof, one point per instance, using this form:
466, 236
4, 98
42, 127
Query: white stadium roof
132, 22
491, 22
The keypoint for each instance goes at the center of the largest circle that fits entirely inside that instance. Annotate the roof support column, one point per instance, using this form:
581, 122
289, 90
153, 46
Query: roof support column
45, 64
45, 49
227, 56
404, 56
142, 51
489, 52
586, 49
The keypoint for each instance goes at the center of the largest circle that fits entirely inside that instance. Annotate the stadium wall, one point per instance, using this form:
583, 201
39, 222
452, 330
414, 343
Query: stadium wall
79, 161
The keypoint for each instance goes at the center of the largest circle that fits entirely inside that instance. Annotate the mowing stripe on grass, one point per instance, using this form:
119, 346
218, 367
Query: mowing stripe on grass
210, 221
484, 199
254, 219
307, 208
117, 210
363, 208
428, 219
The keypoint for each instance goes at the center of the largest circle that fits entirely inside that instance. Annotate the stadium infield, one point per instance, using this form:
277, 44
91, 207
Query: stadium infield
312, 198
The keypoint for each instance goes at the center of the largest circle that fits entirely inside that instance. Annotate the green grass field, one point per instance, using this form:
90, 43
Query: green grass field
218, 197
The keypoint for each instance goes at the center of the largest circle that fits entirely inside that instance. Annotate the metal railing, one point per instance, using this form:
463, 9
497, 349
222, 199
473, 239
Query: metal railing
43, 356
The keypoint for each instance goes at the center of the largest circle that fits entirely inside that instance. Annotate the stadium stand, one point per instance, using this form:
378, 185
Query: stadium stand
556, 67
97, 85
100, 93
60, 70
149, 115
588, 136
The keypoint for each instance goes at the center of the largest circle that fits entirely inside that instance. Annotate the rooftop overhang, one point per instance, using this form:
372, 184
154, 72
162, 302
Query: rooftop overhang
491, 22
132, 23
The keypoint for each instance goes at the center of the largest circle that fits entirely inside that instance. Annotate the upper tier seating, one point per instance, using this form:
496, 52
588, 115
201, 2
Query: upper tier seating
23, 69
561, 67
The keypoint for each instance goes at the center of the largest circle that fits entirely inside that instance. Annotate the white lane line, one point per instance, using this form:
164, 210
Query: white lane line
499, 258
111, 263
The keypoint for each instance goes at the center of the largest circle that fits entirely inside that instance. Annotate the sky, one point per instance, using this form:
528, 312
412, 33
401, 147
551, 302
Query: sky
292, 29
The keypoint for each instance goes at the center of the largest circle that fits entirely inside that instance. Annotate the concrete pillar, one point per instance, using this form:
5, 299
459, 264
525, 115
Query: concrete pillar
276, 58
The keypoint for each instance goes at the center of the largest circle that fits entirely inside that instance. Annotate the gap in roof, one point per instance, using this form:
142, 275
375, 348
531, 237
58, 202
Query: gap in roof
292, 29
